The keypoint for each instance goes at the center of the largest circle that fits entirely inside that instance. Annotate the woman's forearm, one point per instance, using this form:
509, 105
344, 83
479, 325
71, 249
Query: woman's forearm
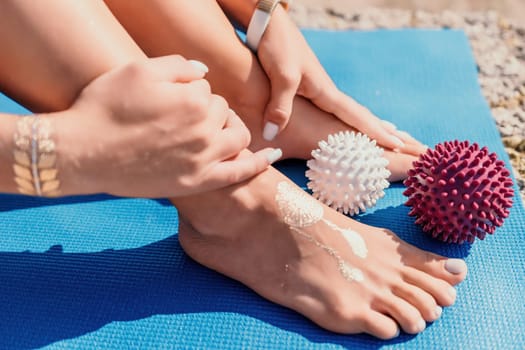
7, 130
58, 44
51, 50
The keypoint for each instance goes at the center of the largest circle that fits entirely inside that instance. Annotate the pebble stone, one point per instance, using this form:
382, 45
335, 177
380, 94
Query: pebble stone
498, 45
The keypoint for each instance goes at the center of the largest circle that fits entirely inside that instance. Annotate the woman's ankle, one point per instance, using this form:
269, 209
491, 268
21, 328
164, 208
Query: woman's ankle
251, 196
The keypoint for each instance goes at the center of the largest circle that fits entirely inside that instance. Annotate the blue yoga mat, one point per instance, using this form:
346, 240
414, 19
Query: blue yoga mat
105, 272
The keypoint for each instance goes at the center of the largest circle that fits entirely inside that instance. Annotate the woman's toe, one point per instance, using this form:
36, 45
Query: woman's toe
451, 270
420, 299
380, 325
440, 290
406, 314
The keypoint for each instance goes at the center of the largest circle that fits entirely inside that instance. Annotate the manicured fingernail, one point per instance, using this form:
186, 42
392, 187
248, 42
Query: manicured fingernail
421, 325
199, 65
274, 155
390, 125
405, 136
438, 312
270, 131
397, 141
455, 266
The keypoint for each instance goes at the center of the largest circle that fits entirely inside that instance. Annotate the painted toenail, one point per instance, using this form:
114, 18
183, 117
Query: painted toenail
455, 266
438, 312
421, 325
398, 332
452, 292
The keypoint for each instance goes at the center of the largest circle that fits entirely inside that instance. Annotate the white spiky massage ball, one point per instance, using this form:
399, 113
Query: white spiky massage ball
348, 172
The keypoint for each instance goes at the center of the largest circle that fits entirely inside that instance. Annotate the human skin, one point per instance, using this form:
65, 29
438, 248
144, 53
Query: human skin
126, 121
7, 129
164, 27
293, 69
48, 81
240, 232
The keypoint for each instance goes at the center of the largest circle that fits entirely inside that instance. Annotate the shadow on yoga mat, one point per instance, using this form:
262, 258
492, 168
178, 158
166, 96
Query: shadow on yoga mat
105, 272
74, 294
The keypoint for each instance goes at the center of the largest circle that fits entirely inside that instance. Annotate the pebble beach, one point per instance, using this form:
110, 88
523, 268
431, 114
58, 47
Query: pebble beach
498, 44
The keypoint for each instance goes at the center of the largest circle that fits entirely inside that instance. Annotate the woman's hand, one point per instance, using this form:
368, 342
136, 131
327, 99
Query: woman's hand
154, 129
293, 68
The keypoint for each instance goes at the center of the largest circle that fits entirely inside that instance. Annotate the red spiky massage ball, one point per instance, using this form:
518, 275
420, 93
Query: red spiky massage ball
459, 192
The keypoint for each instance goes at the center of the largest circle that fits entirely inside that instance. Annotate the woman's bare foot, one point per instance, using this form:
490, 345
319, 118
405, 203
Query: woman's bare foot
292, 251
240, 231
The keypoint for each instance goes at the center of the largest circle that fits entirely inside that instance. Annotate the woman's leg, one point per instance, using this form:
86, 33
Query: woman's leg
261, 233
50, 49
199, 29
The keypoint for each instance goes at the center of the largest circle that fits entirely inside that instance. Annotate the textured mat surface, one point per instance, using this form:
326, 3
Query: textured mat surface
106, 272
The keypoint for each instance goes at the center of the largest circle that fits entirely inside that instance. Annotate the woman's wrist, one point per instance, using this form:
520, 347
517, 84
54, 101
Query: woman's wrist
19, 164
242, 10
7, 175
276, 20
73, 149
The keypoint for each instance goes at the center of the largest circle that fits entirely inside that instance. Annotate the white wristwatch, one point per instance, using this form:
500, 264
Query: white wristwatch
260, 19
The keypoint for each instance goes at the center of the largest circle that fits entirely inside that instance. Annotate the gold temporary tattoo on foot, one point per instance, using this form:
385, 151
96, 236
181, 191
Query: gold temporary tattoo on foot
349, 273
298, 210
354, 239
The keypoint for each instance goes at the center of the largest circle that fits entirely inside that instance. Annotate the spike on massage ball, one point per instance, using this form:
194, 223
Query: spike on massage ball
348, 172
458, 191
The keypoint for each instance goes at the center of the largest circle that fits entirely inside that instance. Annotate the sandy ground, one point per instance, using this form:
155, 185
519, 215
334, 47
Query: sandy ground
496, 30
514, 9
